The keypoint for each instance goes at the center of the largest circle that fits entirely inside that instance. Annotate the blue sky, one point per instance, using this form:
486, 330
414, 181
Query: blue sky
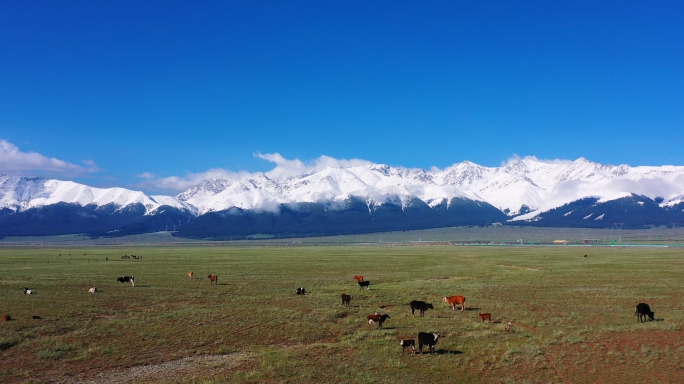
105, 92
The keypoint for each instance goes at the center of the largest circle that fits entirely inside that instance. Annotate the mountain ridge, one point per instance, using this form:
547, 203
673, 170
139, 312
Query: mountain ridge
525, 191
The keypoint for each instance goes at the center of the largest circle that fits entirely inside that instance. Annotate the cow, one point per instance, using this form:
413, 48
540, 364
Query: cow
35, 317
485, 316
126, 279
421, 306
300, 291
6, 318
453, 300
429, 339
346, 299
408, 344
213, 279
376, 318
92, 290
364, 284
190, 275
358, 278
643, 310
507, 327
125, 257
27, 291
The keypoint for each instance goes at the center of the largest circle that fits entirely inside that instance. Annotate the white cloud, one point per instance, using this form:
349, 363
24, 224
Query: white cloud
181, 183
287, 168
284, 168
14, 161
515, 158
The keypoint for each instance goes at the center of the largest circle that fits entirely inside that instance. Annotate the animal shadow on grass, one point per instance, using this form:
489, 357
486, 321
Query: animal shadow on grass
7, 345
447, 352
472, 309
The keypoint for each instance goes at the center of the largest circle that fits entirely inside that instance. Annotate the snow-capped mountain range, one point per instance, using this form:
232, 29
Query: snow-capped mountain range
535, 184
523, 189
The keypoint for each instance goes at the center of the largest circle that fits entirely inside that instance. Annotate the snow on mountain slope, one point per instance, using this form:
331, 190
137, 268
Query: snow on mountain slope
527, 182
376, 183
524, 187
22, 193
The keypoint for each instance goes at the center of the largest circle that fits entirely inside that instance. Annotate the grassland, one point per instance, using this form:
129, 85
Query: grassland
572, 316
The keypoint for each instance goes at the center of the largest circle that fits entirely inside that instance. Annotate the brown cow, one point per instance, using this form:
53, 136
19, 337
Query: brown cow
213, 279
376, 318
190, 274
358, 278
6, 318
485, 316
346, 299
453, 300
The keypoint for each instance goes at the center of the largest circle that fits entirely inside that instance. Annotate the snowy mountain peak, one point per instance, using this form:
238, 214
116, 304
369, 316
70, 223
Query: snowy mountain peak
22, 193
520, 185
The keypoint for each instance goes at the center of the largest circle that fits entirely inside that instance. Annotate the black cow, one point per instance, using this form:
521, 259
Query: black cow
408, 344
643, 310
300, 291
346, 299
429, 339
421, 306
364, 284
126, 279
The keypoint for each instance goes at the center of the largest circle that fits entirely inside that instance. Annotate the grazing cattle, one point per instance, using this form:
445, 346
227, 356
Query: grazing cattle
27, 291
453, 300
408, 344
125, 257
585, 255
643, 310
429, 339
358, 278
376, 318
213, 279
34, 317
126, 279
485, 316
421, 306
6, 318
190, 275
300, 291
92, 290
134, 256
364, 284
507, 326
346, 299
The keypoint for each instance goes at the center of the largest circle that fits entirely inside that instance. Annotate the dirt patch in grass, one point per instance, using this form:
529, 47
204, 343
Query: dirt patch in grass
657, 356
171, 371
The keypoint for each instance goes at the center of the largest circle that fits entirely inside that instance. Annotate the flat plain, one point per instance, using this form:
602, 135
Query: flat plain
572, 316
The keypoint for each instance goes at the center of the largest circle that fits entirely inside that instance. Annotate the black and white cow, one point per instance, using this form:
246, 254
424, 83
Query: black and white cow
643, 310
126, 279
421, 306
300, 291
364, 284
408, 344
429, 339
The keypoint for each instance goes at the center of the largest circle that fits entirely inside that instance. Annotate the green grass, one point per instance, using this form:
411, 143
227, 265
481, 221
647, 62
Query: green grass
570, 314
